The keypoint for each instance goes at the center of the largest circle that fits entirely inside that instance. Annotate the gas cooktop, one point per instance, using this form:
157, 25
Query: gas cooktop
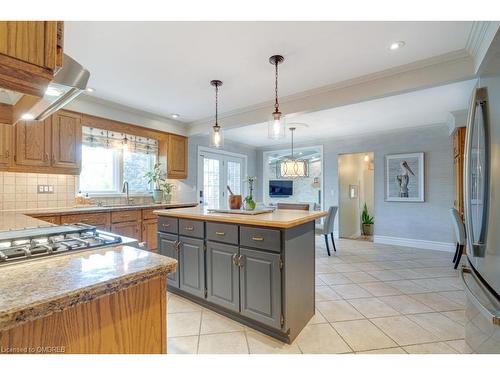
36, 243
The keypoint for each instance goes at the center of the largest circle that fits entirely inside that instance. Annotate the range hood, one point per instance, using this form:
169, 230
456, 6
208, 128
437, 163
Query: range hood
68, 83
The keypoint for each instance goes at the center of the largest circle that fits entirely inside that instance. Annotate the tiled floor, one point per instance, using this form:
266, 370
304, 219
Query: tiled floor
370, 298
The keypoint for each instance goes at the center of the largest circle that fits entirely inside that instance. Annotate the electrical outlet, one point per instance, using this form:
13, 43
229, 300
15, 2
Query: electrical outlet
45, 189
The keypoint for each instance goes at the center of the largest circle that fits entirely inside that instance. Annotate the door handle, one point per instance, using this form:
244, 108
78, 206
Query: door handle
220, 233
235, 260
241, 261
494, 317
177, 246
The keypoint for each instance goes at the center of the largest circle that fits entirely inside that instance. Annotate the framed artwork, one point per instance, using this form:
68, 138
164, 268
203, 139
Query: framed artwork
404, 177
353, 191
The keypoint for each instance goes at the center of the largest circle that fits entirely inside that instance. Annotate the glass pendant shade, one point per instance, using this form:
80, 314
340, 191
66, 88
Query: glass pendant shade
216, 137
276, 126
293, 168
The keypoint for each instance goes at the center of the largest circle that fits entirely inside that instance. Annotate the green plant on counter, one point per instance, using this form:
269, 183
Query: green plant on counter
365, 218
155, 177
166, 186
249, 202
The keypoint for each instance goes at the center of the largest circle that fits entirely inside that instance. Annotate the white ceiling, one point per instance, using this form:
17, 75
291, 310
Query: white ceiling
166, 67
418, 108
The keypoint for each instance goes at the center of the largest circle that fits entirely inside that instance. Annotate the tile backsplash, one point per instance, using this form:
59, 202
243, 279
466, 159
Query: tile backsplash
19, 190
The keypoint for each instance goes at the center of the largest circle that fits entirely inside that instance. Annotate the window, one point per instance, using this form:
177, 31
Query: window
109, 159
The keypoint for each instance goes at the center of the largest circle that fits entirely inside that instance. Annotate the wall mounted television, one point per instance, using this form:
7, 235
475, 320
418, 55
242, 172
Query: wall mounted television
280, 188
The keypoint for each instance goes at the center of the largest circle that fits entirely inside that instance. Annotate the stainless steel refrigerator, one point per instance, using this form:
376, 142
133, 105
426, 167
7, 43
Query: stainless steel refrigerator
481, 273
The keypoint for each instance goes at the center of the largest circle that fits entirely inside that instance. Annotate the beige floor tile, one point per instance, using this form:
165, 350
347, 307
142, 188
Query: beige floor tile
430, 348
457, 296
215, 323
183, 324
317, 318
460, 346
404, 331
372, 307
321, 339
457, 316
349, 291
363, 335
335, 311
183, 345
178, 304
408, 286
333, 279
405, 304
262, 344
360, 277
368, 266
396, 350
223, 343
439, 284
436, 301
343, 267
380, 289
385, 275
440, 325
325, 293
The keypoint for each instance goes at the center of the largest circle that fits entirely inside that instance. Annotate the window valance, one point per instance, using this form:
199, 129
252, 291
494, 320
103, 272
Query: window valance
95, 137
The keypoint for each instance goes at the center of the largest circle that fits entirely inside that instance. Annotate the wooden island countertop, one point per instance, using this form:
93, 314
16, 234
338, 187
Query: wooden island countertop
283, 219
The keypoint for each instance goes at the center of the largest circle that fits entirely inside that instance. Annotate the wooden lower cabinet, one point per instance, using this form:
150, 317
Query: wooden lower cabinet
56, 219
101, 220
149, 234
127, 229
130, 321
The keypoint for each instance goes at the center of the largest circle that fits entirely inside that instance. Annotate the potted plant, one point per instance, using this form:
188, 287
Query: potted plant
249, 202
167, 188
367, 222
155, 177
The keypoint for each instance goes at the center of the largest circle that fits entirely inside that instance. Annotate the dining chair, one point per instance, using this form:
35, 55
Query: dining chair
326, 228
293, 206
458, 226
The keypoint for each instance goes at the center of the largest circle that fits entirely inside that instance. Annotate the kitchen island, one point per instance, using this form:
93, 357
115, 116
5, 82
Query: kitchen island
256, 269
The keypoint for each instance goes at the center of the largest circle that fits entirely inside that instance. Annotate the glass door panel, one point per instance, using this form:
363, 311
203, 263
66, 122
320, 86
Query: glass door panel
211, 183
234, 177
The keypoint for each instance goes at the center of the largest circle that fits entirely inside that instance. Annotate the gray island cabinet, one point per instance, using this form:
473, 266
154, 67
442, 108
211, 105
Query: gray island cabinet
257, 270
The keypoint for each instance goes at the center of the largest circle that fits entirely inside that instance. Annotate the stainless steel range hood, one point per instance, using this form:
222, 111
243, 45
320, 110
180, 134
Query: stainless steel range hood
69, 82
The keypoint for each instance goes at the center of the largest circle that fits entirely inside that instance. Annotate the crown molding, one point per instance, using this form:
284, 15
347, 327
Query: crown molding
479, 40
244, 116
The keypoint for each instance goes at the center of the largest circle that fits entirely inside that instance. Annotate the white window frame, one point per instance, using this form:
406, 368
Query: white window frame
118, 180
224, 155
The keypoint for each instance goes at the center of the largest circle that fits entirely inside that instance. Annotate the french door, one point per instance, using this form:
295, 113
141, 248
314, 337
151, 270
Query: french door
216, 171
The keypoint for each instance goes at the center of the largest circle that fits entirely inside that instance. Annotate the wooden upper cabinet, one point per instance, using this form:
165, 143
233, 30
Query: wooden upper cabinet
30, 53
6, 144
33, 143
66, 140
177, 156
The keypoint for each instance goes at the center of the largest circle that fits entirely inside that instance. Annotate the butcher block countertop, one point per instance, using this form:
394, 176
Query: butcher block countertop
35, 289
283, 219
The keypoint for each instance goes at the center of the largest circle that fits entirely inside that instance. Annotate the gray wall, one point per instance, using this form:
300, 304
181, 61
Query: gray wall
429, 220
186, 189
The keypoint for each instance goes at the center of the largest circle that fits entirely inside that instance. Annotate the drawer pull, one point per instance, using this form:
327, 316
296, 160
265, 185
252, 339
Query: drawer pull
258, 238
165, 225
189, 228
220, 233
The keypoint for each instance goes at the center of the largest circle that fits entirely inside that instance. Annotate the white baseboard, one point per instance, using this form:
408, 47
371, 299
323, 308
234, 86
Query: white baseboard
420, 244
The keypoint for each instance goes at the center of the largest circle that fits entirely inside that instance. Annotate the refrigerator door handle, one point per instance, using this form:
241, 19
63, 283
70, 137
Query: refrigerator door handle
494, 316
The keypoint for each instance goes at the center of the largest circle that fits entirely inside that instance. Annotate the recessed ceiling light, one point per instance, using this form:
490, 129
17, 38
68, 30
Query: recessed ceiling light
27, 116
397, 45
90, 89
175, 115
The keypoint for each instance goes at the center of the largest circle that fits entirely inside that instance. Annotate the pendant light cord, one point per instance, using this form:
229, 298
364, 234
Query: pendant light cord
292, 130
216, 104
276, 104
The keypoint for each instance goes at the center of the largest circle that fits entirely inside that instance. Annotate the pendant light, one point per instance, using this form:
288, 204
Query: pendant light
290, 167
276, 126
216, 138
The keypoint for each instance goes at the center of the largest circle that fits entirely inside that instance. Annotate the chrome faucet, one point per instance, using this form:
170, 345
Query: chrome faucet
125, 190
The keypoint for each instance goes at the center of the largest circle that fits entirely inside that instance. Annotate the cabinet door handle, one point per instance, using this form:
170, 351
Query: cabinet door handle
178, 246
53, 158
46, 157
189, 228
165, 225
241, 261
235, 260
258, 238
220, 233
7, 154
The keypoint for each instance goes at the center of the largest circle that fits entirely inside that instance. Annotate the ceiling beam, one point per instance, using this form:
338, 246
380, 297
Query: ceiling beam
436, 71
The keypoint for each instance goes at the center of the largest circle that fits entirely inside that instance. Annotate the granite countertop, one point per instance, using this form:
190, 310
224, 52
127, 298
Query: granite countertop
35, 289
83, 209
15, 220
277, 219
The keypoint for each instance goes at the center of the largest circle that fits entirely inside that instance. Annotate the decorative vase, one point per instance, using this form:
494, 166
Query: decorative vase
234, 202
167, 198
368, 229
249, 203
157, 196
